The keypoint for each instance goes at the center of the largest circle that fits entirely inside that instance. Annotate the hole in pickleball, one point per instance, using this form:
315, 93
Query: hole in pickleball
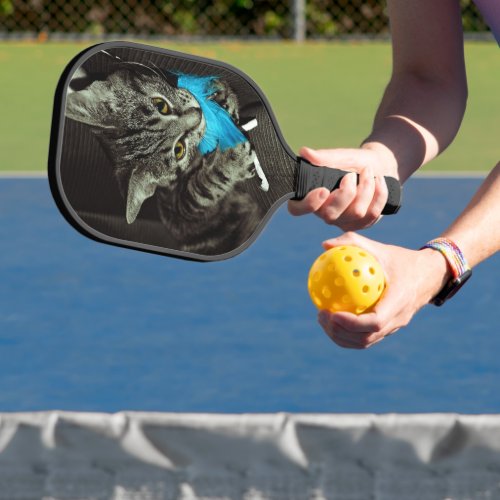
360, 309
356, 273
363, 254
372, 270
346, 299
339, 281
317, 276
366, 289
348, 258
327, 293
379, 287
337, 306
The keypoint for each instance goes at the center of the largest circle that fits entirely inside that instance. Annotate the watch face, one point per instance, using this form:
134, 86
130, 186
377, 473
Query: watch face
451, 288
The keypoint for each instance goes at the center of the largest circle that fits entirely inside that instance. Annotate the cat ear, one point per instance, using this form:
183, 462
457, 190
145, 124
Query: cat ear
79, 81
89, 89
89, 104
99, 67
142, 185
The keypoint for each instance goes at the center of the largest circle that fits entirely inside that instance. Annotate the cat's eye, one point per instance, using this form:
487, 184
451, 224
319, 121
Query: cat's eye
180, 150
161, 105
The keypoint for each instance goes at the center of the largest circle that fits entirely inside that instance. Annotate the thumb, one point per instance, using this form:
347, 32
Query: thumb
377, 249
350, 158
349, 238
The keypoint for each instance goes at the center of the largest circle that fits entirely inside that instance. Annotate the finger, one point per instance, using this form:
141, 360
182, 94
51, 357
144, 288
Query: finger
325, 320
366, 208
338, 157
348, 338
335, 205
376, 338
380, 196
341, 340
311, 203
362, 324
362, 340
353, 341
374, 342
385, 317
365, 191
348, 238
338, 334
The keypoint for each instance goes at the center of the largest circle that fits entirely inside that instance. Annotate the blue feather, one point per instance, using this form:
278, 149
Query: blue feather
220, 129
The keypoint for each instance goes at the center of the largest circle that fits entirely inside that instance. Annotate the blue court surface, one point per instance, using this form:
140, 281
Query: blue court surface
90, 327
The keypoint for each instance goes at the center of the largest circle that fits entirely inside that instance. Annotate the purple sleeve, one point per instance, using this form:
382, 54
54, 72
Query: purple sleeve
490, 9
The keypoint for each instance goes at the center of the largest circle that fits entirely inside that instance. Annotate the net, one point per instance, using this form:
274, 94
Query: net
159, 456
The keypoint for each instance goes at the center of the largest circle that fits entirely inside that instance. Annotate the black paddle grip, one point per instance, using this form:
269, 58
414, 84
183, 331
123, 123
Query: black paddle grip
310, 177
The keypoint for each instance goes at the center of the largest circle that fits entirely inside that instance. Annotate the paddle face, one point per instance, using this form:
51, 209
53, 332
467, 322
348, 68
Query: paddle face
164, 152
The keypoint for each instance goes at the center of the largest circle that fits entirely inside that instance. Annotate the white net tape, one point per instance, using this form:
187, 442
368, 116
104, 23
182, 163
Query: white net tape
160, 456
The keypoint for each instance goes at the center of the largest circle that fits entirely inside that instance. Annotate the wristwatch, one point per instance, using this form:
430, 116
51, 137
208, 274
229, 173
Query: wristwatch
460, 270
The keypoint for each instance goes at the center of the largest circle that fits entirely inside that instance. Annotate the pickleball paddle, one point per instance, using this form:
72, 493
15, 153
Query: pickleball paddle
172, 153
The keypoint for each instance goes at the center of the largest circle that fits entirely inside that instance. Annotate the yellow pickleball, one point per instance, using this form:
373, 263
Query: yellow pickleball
346, 278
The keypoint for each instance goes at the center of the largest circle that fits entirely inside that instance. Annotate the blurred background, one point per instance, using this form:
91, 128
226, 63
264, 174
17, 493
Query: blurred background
323, 63
282, 19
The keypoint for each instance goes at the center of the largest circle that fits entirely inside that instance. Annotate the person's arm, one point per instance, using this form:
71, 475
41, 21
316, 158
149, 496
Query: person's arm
424, 103
414, 277
477, 230
419, 115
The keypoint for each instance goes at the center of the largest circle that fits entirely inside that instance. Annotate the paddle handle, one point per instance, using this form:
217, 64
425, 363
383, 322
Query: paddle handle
310, 177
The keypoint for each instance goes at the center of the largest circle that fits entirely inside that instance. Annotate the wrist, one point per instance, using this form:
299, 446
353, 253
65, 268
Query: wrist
386, 157
437, 273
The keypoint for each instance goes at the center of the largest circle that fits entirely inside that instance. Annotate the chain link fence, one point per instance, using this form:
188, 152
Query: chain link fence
284, 19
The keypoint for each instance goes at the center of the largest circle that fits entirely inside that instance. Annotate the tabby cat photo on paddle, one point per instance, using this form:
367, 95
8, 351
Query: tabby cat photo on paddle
161, 147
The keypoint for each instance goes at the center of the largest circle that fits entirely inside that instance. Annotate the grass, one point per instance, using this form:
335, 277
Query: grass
323, 94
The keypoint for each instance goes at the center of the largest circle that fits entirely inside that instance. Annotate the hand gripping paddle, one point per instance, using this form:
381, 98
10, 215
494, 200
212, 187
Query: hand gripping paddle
172, 153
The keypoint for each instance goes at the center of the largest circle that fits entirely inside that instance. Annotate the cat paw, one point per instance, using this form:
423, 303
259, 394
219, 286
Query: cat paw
226, 98
237, 164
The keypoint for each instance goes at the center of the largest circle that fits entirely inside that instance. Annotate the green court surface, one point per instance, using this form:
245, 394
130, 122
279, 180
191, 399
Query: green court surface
323, 94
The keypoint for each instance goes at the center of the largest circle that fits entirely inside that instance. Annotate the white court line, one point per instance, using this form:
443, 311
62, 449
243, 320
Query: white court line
37, 174
452, 174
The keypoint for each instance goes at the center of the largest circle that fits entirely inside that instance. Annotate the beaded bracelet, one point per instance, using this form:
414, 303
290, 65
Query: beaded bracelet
460, 269
452, 254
